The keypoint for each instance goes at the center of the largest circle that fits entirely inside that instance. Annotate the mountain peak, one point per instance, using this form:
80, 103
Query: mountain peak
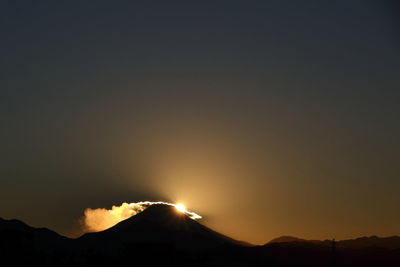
161, 211
158, 216
159, 224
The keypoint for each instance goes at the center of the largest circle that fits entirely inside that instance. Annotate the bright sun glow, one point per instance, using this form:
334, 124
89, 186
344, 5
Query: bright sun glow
180, 207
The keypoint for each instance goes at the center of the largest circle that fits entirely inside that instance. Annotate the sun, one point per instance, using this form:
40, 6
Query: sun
180, 207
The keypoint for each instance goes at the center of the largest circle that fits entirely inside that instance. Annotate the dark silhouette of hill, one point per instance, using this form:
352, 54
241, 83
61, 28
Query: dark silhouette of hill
391, 242
23, 245
158, 225
17, 232
289, 239
162, 236
364, 251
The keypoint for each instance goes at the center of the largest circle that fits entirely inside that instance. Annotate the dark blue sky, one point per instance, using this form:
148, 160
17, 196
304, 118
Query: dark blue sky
284, 110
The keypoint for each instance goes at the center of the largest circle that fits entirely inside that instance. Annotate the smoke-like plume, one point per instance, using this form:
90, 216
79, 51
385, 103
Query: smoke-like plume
95, 220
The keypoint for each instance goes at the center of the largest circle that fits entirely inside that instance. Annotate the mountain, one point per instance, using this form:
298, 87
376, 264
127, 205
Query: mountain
162, 236
364, 251
392, 242
23, 245
17, 233
158, 225
290, 239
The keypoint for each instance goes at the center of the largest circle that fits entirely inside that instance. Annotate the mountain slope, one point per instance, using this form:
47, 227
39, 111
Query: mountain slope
160, 225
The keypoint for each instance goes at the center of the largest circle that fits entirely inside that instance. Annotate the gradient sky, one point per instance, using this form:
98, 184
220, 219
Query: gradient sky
267, 118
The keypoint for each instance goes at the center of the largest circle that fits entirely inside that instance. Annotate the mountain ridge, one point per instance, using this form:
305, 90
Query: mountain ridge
392, 242
162, 236
389, 242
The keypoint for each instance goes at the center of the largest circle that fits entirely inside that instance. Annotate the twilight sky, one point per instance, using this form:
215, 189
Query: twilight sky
267, 118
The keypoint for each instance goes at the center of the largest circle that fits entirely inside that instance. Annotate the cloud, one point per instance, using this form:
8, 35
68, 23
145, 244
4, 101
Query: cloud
95, 220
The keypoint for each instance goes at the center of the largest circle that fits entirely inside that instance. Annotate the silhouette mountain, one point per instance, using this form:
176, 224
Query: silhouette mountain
17, 233
158, 225
289, 239
392, 242
23, 245
162, 236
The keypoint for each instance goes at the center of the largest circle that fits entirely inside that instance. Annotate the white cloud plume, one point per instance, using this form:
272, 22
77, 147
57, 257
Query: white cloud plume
95, 220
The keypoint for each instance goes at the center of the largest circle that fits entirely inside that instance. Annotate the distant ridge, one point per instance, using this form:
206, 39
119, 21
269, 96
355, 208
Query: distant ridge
15, 232
288, 239
391, 242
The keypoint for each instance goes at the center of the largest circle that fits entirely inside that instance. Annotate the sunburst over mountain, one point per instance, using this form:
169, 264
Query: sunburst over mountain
190, 133
162, 235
